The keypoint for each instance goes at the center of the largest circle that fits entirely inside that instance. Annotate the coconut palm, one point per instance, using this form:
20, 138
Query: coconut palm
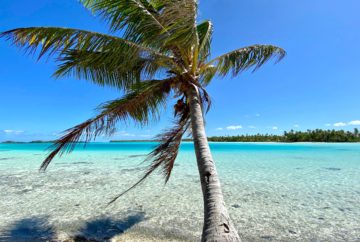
157, 52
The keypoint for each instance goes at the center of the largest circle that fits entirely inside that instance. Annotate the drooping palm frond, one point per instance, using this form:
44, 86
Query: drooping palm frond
205, 100
140, 105
243, 59
164, 155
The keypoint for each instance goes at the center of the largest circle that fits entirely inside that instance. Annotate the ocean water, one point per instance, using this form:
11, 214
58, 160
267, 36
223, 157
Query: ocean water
274, 192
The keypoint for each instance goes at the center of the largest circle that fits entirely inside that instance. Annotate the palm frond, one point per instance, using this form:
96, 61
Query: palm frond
139, 18
180, 18
164, 155
93, 56
109, 68
167, 25
205, 30
207, 74
205, 100
245, 58
59, 40
140, 105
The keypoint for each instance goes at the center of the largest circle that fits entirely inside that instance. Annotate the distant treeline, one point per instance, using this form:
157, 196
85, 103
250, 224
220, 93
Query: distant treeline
317, 135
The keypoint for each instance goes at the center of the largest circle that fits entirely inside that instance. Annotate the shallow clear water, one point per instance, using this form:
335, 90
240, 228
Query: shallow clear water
274, 192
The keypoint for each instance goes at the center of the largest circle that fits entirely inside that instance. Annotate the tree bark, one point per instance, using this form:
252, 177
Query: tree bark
217, 223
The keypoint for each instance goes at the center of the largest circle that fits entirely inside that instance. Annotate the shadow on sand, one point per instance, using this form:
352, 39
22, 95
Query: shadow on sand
39, 229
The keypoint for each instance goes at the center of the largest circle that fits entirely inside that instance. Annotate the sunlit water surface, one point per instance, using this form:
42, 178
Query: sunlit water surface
274, 192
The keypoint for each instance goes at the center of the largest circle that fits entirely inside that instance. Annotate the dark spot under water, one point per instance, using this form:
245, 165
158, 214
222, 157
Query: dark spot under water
267, 237
74, 163
132, 169
123, 158
6, 158
333, 169
81, 163
291, 231
235, 206
326, 207
135, 156
344, 209
24, 191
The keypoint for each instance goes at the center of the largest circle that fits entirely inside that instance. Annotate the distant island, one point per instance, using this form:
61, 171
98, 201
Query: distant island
29, 142
317, 135
12, 142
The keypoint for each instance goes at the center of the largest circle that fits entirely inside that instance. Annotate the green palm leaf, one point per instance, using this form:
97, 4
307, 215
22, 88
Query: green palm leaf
111, 68
243, 59
53, 39
167, 25
139, 18
140, 105
97, 53
205, 30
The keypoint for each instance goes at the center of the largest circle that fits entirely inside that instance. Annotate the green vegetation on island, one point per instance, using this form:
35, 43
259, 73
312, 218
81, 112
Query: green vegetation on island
11, 142
317, 135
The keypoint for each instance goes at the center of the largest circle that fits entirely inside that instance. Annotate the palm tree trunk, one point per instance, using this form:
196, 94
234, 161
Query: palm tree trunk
217, 223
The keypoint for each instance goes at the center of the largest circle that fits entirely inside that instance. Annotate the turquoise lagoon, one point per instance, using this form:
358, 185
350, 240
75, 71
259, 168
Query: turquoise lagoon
274, 192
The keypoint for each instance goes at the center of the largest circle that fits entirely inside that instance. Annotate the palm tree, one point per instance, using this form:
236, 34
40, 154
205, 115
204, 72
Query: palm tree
157, 50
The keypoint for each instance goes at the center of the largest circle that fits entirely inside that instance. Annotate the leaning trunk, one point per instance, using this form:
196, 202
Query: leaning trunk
217, 223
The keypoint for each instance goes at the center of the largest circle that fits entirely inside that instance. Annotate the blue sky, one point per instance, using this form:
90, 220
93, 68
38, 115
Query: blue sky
316, 86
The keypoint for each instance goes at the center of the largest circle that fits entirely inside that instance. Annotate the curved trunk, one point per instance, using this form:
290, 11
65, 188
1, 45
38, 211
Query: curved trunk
217, 223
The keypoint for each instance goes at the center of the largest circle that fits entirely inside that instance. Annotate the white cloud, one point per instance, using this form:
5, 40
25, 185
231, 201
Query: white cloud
354, 122
10, 131
275, 128
339, 124
342, 124
234, 127
257, 115
124, 133
251, 127
296, 126
145, 135
219, 128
